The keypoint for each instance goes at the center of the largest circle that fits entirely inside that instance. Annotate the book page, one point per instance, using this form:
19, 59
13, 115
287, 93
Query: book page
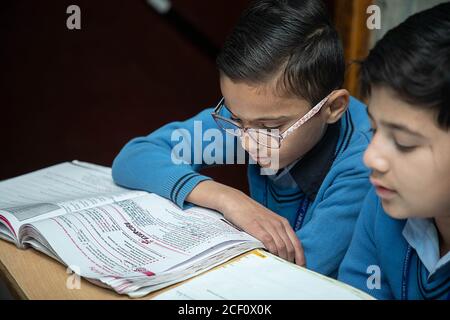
136, 239
262, 276
60, 189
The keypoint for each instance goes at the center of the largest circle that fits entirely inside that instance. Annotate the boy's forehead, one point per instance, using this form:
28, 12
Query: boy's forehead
385, 106
258, 101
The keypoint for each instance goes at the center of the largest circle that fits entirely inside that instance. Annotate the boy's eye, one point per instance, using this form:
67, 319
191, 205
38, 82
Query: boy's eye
403, 148
260, 126
235, 119
273, 127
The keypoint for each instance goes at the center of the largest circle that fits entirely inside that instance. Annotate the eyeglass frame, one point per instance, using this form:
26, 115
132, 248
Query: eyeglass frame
281, 136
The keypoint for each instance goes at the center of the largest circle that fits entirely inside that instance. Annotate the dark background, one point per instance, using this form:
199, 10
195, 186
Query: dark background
82, 94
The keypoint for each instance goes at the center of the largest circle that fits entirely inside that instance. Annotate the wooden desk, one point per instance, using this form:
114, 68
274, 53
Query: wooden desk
30, 274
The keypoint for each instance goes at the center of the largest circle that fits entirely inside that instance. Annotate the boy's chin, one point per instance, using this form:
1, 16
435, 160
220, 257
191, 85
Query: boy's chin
395, 210
273, 164
268, 164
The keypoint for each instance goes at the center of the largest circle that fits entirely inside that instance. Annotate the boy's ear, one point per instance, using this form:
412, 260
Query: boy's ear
336, 105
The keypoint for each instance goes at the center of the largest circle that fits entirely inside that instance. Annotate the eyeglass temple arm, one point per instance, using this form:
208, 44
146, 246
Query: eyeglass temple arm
305, 118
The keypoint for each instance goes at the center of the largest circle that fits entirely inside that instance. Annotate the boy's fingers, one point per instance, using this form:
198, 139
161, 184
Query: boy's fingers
272, 232
299, 253
300, 257
289, 246
281, 245
279, 242
265, 237
270, 245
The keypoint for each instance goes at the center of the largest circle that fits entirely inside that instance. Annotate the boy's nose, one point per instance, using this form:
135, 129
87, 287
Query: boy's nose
253, 148
249, 145
374, 158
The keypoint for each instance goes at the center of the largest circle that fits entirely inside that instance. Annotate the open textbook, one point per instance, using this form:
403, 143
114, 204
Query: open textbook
131, 241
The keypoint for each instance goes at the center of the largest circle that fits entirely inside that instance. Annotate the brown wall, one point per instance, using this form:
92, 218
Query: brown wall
82, 94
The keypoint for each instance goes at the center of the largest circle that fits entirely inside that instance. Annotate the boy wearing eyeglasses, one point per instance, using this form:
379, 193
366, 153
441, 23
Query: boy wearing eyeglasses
401, 245
281, 72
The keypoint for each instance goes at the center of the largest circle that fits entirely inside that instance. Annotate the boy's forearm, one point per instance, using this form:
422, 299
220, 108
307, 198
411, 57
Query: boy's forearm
213, 195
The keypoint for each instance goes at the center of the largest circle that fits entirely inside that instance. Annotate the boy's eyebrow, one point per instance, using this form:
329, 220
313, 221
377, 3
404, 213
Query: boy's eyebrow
396, 126
270, 119
401, 127
259, 119
264, 118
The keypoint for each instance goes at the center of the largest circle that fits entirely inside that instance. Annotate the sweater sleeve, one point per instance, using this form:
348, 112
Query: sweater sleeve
326, 236
361, 267
167, 162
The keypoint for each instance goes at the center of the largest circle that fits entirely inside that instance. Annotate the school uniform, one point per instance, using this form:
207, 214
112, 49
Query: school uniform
320, 194
395, 259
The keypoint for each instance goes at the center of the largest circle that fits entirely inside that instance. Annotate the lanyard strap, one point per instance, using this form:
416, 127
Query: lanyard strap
301, 212
405, 275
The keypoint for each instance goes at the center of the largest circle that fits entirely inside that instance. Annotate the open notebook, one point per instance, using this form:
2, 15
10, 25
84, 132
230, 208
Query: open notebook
260, 275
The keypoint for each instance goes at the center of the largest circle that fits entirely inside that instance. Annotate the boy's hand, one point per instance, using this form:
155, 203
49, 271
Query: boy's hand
271, 229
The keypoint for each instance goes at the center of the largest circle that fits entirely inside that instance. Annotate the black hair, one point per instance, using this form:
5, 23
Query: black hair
413, 60
292, 38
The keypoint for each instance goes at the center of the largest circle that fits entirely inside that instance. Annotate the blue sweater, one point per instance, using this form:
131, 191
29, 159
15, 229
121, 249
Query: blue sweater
331, 181
378, 248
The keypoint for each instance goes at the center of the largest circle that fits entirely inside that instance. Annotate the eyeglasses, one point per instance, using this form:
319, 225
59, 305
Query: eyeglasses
270, 138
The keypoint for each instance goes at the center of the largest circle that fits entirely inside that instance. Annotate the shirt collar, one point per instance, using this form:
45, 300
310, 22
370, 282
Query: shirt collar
422, 235
310, 171
283, 178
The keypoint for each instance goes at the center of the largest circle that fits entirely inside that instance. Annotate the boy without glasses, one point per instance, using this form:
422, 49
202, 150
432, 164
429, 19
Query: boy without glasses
403, 233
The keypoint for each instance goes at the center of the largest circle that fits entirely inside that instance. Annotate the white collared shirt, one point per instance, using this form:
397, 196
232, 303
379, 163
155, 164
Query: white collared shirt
422, 235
